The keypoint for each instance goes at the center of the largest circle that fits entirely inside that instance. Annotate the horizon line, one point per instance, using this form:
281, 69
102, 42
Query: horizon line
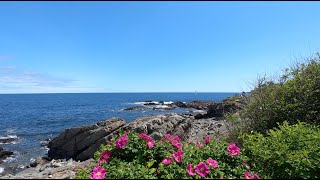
114, 92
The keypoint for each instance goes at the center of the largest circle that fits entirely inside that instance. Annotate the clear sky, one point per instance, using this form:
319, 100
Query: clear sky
141, 46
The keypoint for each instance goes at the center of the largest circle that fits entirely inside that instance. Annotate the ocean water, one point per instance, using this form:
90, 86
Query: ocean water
32, 118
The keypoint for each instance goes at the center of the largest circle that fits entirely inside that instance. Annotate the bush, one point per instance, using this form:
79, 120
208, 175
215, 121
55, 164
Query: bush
286, 152
294, 97
140, 157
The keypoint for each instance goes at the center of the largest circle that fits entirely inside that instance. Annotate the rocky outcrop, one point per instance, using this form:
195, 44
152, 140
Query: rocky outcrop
54, 169
222, 108
200, 105
180, 104
154, 105
4, 154
78, 143
135, 108
81, 143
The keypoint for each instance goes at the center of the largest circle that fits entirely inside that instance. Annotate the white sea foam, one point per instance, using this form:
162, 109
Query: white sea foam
9, 159
1, 170
155, 102
45, 148
9, 136
139, 102
161, 106
199, 111
168, 102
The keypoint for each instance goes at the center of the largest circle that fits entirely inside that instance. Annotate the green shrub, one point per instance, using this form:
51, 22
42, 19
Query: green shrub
294, 97
137, 160
287, 152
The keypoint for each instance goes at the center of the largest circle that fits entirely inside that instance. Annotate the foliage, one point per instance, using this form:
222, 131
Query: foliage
294, 97
169, 158
286, 152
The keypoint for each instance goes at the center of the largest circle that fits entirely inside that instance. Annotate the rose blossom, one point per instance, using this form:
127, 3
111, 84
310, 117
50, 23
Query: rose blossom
105, 156
213, 163
98, 173
198, 145
167, 136
122, 141
178, 156
202, 169
233, 150
150, 143
247, 175
255, 176
190, 169
207, 140
167, 161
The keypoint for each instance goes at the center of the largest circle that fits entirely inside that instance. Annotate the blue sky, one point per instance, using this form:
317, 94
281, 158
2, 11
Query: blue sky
52, 47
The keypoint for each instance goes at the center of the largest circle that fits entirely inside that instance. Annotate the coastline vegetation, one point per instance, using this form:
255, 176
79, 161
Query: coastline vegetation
275, 135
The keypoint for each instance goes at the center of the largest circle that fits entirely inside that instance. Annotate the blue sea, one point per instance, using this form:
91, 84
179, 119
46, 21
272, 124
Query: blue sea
32, 118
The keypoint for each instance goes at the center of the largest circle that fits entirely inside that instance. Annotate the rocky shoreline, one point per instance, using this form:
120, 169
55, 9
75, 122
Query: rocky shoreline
74, 147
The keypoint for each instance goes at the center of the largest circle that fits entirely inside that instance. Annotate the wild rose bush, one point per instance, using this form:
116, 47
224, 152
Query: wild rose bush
132, 155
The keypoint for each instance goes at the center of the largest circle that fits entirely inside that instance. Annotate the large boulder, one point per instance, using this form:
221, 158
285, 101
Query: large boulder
222, 108
75, 142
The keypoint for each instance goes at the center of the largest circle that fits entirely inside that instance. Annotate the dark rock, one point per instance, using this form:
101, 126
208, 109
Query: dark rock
4, 154
80, 143
136, 108
220, 109
180, 104
199, 116
150, 103
200, 105
163, 108
33, 164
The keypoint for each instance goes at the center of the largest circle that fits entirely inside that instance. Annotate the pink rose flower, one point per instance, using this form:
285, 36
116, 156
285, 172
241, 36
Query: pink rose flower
167, 161
213, 163
247, 175
144, 136
233, 150
207, 140
98, 173
255, 176
190, 169
176, 138
178, 156
177, 145
105, 156
150, 143
122, 141
202, 169
168, 136
198, 145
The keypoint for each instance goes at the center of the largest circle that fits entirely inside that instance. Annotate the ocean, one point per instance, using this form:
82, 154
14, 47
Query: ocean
31, 119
